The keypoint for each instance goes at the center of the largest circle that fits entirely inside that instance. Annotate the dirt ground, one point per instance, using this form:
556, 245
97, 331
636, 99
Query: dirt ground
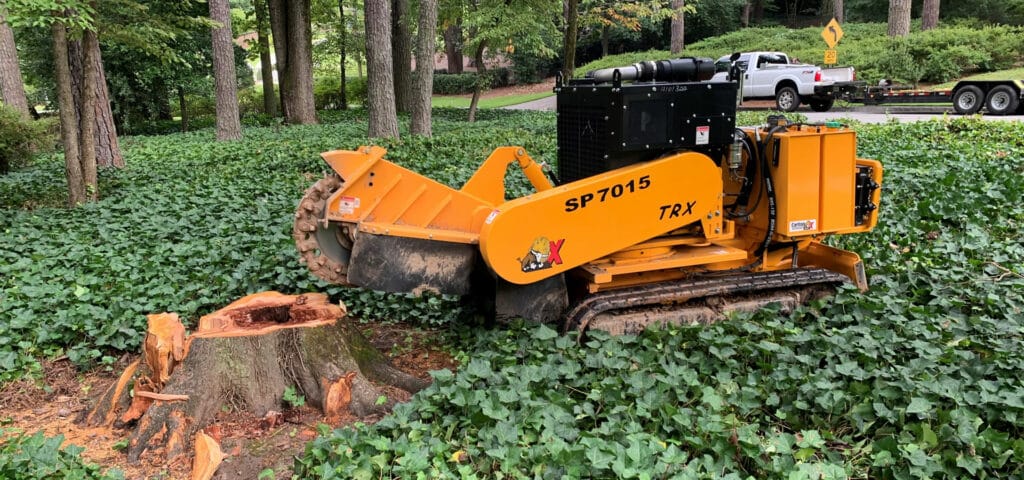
252, 446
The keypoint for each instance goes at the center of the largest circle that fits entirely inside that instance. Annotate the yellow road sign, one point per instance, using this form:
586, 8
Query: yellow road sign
832, 33
831, 57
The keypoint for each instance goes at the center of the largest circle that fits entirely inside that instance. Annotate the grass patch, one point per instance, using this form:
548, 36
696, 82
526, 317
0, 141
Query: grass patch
493, 102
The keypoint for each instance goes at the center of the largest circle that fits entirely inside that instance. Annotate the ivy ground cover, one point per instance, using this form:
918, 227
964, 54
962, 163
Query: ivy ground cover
918, 378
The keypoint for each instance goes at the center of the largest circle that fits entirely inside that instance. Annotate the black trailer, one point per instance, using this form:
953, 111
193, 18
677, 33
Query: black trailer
999, 97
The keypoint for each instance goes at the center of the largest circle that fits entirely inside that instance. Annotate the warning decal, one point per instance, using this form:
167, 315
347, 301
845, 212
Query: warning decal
703, 135
348, 205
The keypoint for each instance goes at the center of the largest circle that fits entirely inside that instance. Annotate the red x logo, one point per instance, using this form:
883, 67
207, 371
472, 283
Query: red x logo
555, 258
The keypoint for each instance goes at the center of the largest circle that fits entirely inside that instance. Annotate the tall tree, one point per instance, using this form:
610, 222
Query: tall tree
229, 127
11, 84
837, 10
68, 116
380, 84
572, 28
266, 65
930, 14
426, 38
90, 47
293, 46
678, 27
343, 34
606, 15
400, 41
899, 18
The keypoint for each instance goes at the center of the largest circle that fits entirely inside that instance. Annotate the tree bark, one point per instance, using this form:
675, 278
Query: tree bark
426, 39
401, 55
108, 149
759, 11
604, 41
278, 10
678, 26
930, 14
68, 116
244, 356
183, 106
453, 47
266, 63
745, 14
300, 63
481, 72
11, 83
572, 15
88, 119
343, 34
899, 18
381, 86
229, 127
838, 11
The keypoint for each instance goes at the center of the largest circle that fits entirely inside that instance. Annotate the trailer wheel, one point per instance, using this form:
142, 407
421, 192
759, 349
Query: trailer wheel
786, 99
822, 105
1001, 100
967, 100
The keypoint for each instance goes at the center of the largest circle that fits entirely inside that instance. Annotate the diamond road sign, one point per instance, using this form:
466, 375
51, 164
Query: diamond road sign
832, 33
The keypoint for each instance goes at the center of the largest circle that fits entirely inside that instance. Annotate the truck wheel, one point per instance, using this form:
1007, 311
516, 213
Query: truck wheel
822, 105
967, 100
1001, 100
786, 99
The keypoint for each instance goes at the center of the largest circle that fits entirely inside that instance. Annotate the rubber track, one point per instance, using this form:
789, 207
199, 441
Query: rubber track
679, 291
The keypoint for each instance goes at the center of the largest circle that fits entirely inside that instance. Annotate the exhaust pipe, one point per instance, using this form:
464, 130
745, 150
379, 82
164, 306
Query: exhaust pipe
686, 69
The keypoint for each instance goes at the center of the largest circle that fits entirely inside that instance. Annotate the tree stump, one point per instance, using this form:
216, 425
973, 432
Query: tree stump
244, 356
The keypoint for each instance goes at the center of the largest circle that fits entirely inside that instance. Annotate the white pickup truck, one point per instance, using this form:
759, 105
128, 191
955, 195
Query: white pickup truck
769, 75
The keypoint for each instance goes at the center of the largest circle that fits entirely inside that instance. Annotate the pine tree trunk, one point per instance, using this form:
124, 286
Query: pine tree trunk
11, 84
758, 11
572, 11
381, 86
401, 55
930, 14
424, 79
300, 63
278, 10
229, 127
678, 26
343, 33
108, 149
604, 41
87, 134
745, 14
453, 47
68, 116
838, 11
899, 18
183, 106
266, 64
481, 72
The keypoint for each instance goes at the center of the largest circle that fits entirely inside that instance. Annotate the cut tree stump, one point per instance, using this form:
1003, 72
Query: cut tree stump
243, 357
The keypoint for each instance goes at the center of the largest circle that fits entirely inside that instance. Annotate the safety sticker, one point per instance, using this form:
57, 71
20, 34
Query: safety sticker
490, 218
803, 225
703, 135
348, 205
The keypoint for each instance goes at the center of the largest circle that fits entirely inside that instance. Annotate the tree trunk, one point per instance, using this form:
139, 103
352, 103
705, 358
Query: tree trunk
381, 86
266, 64
604, 41
108, 150
244, 356
758, 11
11, 84
930, 14
745, 14
838, 11
183, 106
678, 26
68, 116
899, 18
453, 47
426, 38
401, 56
300, 63
278, 10
481, 72
88, 119
572, 15
343, 33
229, 127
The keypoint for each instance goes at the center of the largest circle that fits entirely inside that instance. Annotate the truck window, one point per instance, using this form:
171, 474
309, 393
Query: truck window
772, 59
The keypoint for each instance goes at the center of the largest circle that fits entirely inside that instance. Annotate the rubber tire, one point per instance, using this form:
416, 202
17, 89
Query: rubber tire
971, 107
1002, 100
787, 99
822, 105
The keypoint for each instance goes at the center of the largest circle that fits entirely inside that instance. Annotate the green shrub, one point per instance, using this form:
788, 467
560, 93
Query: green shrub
22, 139
454, 83
38, 457
327, 92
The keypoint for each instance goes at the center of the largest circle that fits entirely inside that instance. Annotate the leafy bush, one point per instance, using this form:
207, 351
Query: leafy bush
327, 92
38, 457
454, 83
21, 139
917, 378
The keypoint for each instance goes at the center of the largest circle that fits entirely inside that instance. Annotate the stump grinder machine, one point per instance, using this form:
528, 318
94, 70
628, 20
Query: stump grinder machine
661, 211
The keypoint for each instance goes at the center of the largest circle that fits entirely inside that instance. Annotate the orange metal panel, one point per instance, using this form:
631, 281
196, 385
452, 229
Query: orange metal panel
838, 179
797, 181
